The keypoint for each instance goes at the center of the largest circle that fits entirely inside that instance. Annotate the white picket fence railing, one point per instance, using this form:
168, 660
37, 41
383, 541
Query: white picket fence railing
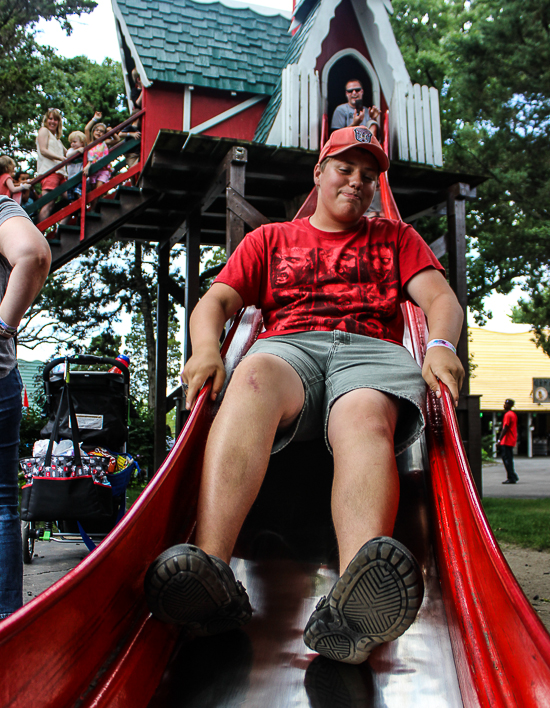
415, 127
300, 108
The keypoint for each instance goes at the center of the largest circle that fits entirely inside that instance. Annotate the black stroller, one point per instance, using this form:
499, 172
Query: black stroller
89, 407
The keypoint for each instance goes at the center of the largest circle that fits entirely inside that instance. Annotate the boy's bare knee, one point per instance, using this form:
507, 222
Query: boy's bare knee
363, 412
268, 378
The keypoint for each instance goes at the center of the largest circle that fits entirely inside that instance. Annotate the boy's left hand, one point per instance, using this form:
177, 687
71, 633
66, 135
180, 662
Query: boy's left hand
440, 364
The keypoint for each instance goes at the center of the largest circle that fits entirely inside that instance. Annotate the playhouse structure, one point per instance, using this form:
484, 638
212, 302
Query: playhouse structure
236, 103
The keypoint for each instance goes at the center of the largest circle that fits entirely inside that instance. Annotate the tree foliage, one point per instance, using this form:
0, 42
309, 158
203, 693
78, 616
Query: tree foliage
29, 71
491, 63
81, 306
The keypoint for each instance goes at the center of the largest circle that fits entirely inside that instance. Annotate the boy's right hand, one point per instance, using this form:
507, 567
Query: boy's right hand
201, 366
98, 115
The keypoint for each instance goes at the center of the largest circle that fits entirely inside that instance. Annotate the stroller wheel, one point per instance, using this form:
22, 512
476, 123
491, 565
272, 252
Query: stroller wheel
28, 538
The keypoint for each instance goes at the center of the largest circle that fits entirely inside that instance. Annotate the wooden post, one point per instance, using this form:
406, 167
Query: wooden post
192, 267
468, 412
159, 450
456, 244
235, 170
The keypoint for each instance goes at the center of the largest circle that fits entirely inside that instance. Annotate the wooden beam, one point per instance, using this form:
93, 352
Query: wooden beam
244, 210
439, 246
235, 163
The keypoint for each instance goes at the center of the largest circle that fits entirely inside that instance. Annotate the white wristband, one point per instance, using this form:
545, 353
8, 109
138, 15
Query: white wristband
441, 343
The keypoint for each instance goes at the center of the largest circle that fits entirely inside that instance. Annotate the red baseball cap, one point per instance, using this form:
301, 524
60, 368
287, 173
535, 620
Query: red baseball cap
354, 137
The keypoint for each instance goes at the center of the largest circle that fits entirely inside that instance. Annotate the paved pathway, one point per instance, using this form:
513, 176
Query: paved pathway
51, 562
534, 478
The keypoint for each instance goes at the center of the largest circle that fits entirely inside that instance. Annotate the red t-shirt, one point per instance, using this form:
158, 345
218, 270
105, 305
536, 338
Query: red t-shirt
511, 437
305, 279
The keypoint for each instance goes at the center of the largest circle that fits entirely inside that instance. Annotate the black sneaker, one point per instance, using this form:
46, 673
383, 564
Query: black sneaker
186, 586
376, 600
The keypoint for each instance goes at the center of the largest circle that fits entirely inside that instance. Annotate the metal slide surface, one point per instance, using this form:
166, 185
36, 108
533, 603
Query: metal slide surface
89, 640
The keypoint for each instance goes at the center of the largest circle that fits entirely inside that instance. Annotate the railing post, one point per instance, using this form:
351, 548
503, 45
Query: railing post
236, 167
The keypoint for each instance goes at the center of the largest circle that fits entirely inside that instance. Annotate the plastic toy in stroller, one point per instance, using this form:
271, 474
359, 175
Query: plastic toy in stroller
78, 479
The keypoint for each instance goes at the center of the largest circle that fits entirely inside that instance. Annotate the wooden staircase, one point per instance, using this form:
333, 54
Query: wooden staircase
127, 203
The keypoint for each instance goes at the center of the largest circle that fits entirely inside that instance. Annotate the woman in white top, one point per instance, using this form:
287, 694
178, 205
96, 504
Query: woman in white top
51, 152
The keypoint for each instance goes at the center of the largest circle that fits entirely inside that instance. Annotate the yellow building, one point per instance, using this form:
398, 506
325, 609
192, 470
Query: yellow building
506, 365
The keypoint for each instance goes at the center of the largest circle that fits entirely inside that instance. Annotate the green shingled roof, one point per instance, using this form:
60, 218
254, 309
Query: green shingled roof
293, 54
207, 44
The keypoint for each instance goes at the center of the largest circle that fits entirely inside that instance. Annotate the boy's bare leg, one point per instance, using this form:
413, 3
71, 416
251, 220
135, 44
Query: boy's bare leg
365, 492
380, 588
265, 394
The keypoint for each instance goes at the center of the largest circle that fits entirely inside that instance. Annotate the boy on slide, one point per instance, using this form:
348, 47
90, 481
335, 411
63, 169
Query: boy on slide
330, 364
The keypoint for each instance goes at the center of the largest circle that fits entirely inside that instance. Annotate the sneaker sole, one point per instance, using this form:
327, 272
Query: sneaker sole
378, 598
183, 587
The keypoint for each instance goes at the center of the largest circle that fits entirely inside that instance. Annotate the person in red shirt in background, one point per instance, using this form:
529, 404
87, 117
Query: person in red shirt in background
507, 440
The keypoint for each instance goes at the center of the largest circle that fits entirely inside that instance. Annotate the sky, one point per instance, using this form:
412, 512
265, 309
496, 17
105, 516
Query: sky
94, 35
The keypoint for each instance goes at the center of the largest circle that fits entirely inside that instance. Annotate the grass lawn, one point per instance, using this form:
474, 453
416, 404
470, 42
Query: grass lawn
524, 522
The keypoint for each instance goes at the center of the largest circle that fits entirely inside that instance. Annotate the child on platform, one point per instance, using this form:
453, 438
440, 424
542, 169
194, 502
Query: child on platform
95, 130
78, 142
7, 186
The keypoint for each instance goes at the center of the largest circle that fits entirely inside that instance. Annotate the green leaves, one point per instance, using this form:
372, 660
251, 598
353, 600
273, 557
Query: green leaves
34, 78
491, 62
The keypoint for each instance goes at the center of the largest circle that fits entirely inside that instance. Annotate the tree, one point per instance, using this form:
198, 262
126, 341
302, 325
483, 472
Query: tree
22, 59
490, 62
142, 362
536, 312
88, 297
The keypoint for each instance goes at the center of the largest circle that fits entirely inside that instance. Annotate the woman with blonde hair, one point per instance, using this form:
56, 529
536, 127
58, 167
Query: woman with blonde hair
50, 151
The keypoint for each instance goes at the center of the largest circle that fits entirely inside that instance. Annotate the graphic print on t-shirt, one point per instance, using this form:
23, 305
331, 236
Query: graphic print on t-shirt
344, 287
305, 279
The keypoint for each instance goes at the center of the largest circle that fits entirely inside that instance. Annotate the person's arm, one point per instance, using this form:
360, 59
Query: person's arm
433, 295
15, 189
43, 137
205, 327
87, 130
27, 251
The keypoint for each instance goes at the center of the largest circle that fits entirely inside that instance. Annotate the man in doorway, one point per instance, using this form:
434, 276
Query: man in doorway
508, 439
327, 367
353, 113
